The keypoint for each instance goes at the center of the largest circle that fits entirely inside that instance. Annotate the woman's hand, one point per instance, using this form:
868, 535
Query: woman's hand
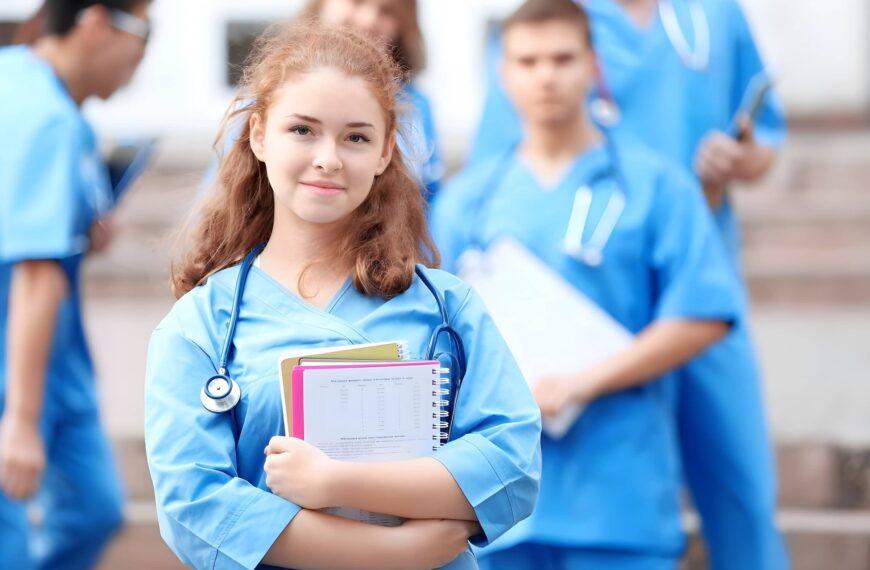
431, 544
299, 472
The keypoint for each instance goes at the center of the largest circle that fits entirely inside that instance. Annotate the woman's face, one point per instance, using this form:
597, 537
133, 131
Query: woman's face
323, 140
379, 17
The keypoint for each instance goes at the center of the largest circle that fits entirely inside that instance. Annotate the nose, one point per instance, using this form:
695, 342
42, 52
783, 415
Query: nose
326, 157
546, 72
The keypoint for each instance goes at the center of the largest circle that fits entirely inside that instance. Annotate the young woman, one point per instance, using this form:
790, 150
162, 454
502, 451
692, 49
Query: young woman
394, 22
648, 256
316, 190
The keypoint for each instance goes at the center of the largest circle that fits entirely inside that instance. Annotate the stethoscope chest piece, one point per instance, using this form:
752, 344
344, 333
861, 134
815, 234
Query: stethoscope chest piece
220, 394
605, 112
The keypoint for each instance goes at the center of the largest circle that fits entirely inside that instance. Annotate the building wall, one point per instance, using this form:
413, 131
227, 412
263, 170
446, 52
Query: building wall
820, 48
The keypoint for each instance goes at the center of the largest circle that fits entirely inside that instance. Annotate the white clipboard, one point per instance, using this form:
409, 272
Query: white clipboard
549, 326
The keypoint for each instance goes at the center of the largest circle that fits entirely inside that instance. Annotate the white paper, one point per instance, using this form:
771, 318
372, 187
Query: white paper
383, 413
550, 326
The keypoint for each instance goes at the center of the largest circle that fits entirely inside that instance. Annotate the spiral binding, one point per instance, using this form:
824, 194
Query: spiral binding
442, 378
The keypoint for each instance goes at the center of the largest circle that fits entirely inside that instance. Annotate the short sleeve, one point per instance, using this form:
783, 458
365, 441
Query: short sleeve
41, 206
208, 515
692, 274
496, 454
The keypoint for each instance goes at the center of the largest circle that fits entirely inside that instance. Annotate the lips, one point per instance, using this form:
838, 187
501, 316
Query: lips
323, 187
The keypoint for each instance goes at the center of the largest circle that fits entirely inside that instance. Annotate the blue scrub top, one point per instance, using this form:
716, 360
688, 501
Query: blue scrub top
664, 104
53, 185
418, 140
612, 482
214, 508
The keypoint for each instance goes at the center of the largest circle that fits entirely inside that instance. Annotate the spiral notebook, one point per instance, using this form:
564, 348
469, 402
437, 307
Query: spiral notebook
391, 350
371, 411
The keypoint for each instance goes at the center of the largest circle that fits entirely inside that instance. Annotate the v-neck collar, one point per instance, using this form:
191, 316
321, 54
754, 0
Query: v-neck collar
580, 167
297, 300
629, 24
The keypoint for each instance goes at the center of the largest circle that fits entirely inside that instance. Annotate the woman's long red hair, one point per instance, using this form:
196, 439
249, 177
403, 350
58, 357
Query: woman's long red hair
386, 236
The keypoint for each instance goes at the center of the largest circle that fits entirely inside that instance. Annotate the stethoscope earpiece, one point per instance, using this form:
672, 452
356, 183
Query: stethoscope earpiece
220, 394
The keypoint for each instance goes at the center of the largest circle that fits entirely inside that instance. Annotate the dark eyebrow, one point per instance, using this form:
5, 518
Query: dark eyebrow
308, 119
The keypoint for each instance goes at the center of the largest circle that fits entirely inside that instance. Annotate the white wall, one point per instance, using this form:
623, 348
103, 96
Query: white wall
821, 49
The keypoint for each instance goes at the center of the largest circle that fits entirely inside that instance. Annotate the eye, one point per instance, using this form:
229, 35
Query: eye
301, 130
358, 138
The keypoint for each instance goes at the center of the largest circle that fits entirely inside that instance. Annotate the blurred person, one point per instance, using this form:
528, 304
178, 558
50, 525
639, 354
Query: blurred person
395, 22
54, 198
682, 75
319, 238
650, 257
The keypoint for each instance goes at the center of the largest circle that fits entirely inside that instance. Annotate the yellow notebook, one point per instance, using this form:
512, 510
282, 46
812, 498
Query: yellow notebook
392, 350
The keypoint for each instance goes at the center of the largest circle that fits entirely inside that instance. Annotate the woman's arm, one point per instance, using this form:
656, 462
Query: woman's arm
315, 540
658, 348
37, 290
488, 473
416, 488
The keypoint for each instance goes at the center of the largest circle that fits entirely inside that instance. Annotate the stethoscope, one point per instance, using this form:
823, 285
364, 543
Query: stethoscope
590, 252
604, 107
222, 394
699, 58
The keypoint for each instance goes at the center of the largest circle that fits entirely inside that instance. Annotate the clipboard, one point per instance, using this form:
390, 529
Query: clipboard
549, 325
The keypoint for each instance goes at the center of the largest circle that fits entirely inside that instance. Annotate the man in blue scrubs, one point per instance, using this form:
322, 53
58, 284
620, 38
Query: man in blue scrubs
647, 254
54, 192
690, 113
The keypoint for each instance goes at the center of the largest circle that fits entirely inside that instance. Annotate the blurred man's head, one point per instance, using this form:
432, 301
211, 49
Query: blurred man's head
549, 65
106, 37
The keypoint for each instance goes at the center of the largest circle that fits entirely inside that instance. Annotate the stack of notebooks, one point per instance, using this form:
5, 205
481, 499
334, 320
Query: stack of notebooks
365, 403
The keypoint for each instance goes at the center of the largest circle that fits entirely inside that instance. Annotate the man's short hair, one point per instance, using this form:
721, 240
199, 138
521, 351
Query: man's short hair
60, 15
540, 11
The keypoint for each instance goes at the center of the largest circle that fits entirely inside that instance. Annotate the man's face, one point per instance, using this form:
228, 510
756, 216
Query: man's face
548, 68
116, 52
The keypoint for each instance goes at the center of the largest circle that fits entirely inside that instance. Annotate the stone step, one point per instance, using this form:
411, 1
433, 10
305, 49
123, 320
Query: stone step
816, 539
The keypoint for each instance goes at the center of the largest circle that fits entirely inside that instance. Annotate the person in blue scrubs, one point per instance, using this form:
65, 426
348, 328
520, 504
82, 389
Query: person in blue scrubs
396, 22
610, 487
692, 114
317, 177
54, 192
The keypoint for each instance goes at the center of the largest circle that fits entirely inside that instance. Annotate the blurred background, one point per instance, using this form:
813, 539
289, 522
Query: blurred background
806, 237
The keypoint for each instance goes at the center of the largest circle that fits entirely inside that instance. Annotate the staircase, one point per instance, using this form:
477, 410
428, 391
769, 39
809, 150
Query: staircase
807, 262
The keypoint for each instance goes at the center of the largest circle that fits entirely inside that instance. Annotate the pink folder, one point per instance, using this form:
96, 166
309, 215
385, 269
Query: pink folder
298, 385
